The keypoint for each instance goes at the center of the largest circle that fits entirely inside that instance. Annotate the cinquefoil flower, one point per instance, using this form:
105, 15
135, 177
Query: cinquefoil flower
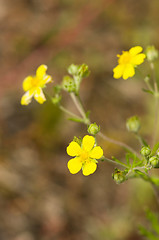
33, 85
84, 156
127, 62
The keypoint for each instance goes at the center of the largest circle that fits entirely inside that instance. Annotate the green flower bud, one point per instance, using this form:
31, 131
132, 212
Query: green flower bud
68, 84
57, 89
145, 151
133, 124
57, 99
154, 161
118, 176
93, 129
73, 69
147, 79
151, 53
83, 71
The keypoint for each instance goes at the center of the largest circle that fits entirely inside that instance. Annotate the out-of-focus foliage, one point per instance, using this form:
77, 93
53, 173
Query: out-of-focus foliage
39, 199
151, 232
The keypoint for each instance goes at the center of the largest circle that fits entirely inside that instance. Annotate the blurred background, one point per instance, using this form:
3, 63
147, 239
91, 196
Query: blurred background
39, 198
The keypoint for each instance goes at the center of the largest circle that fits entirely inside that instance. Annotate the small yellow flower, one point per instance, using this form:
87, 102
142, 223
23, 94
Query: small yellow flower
84, 156
127, 62
33, 85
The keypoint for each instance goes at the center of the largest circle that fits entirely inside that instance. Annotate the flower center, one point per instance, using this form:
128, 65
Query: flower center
125, 58
84, 156
35, 82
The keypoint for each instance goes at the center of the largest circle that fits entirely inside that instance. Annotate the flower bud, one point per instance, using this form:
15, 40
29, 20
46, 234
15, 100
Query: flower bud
73, 69
118, 176
57, 99
154, 161
145, 151
83, 71
133, 124
151, 53
93, 129
147, 79
68, 84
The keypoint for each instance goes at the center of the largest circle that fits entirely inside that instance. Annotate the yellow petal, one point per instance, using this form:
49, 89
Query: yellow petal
40, 72
74, 165
138, 59
73, 149
135, 50
46, 79
128, 72
39, 95
118, 71
27, 83
88, 143
96, 153
26, 98
89, 168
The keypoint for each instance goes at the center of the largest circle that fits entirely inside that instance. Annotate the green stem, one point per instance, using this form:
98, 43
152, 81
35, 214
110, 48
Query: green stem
149, 86
114, 162
141, 141
69, 112
121, 144
78, 103
64, 109
156, 104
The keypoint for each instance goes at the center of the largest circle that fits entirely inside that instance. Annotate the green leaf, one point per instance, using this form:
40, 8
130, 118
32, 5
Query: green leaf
148, 91
154, 220
76, 120
155, 148
149, 235
142, 175
138, 164
118, 161
88, 114
127, 159
155, 180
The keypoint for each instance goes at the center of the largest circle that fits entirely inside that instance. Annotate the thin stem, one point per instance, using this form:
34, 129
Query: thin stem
149, 86
78, 105
69, 112
124, 145
140, 139
114, 162
156, 104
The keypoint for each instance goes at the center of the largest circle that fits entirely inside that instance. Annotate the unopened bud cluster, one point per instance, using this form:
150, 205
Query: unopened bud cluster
78, 72
153, 160
119, 176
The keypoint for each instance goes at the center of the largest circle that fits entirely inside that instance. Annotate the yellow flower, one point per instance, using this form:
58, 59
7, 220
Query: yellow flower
84, 156
127, 62
33, 85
